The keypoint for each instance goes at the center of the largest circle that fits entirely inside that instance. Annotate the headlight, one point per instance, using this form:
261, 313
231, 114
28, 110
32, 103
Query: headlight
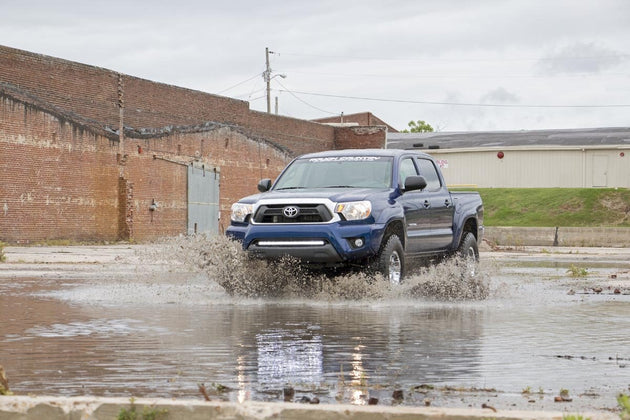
240, 211
354, 210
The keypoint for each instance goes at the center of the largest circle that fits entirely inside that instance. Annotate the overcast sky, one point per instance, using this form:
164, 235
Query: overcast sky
457, 64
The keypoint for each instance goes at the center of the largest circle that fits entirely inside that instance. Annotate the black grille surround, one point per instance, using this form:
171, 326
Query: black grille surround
306, 213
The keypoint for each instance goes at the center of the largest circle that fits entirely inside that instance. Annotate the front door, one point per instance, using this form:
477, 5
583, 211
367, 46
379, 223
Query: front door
417, 209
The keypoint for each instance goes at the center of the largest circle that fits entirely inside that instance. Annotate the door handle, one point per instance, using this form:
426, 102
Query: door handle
427, 204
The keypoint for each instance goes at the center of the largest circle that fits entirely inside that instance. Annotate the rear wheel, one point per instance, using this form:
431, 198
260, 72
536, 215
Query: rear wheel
390, 261
468, 251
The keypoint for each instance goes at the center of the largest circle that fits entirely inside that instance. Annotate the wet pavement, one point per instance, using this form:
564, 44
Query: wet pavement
117, 321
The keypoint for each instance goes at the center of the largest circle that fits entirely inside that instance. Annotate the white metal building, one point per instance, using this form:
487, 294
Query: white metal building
581, 158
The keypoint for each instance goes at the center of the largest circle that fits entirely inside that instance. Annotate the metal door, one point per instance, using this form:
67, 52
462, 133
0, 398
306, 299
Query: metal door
203, 200
600, 171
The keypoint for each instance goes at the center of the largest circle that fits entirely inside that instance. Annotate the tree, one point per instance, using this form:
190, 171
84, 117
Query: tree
419, 126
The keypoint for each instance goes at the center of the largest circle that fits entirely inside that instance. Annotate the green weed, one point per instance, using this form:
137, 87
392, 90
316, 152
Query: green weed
624, 404
575, 271
4, 383
148, 413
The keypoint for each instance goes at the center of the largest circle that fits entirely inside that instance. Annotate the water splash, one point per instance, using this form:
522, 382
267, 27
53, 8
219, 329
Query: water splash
224, 261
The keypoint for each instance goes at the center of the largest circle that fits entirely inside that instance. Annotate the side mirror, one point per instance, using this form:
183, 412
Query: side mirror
264, 185
415, 182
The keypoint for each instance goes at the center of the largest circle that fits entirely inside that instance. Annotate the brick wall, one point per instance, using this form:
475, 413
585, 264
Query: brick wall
360, 137
64, 174
57, 181
362, 118
240, 160
89, 95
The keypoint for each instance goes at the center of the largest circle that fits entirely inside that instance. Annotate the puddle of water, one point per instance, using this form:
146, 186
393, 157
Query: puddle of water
159, 332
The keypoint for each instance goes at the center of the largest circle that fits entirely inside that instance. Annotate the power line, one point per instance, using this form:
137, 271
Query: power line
460, 103
248, 95
238, 84
303, 101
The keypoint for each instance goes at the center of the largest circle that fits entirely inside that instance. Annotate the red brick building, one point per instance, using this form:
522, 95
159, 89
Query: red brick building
361, 118
68, 171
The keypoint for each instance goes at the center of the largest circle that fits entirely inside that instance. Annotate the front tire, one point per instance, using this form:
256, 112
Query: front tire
390, 261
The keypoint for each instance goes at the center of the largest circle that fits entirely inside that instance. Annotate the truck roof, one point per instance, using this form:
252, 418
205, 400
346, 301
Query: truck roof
363, 152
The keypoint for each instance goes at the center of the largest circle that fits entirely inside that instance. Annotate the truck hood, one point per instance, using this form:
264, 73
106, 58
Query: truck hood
336, 195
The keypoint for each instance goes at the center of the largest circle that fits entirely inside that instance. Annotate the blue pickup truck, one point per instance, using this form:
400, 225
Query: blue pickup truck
372, 208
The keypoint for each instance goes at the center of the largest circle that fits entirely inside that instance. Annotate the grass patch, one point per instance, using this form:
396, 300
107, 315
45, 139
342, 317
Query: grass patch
624, 404
549, 207
148, 413
575, 271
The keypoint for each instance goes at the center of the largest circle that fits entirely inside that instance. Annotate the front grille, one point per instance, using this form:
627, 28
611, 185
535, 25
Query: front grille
306, 213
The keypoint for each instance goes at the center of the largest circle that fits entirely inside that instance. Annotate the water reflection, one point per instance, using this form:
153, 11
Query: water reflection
286, 355
317, 346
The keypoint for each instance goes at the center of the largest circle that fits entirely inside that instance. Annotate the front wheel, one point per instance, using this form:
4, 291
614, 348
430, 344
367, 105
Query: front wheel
390, 261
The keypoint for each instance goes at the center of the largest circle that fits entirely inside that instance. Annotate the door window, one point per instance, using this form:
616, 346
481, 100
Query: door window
407, 168
429, 172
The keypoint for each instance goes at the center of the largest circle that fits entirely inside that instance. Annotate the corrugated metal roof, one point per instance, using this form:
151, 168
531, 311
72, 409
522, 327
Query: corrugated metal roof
561, 137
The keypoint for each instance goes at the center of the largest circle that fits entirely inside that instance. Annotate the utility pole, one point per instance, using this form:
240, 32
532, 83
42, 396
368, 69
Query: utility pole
267, 75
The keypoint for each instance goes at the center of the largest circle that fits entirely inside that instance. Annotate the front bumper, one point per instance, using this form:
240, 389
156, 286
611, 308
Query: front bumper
333, 243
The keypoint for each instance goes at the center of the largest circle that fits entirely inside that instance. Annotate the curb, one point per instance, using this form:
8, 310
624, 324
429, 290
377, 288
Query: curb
94, 408
558, 236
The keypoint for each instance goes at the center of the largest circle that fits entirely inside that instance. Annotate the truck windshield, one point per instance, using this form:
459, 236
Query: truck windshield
337, 172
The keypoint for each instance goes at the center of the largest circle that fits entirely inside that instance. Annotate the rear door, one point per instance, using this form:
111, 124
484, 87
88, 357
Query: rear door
440, 203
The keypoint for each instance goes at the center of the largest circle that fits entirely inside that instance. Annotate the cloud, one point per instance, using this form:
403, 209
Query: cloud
502, 52
580, 57
499, 96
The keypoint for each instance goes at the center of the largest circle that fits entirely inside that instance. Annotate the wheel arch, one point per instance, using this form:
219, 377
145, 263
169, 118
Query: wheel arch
469, 225
395, 227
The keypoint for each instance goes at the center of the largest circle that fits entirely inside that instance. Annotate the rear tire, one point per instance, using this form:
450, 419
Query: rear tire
390, 261
468, 252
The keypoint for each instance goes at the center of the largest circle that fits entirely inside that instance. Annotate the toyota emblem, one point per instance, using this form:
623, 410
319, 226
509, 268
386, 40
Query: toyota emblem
290, 211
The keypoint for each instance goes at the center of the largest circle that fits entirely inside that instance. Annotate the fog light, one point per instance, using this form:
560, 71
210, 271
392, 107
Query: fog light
358, 242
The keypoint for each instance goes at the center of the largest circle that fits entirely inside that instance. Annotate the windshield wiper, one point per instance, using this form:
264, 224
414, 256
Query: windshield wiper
289, 188
339, 186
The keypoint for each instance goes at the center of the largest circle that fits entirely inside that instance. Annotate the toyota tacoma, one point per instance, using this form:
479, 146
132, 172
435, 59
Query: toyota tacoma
372, 208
